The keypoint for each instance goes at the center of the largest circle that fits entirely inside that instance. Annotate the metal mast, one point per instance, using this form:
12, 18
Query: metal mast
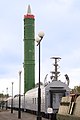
55, 73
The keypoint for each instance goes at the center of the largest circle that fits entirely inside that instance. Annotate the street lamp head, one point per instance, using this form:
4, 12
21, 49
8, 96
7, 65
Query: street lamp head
12, 83
7, 88
20, 72
38, 39
41, 34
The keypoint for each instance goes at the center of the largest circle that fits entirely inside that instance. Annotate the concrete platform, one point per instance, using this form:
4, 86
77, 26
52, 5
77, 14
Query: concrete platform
67, 117
7, 115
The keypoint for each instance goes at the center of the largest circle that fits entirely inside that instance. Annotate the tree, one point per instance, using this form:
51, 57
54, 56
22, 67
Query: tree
76, 89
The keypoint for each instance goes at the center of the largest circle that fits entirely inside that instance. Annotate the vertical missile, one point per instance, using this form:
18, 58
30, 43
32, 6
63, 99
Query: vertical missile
29, 51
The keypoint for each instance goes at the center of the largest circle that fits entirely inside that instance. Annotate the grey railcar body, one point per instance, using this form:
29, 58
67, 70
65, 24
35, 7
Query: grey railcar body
51, 95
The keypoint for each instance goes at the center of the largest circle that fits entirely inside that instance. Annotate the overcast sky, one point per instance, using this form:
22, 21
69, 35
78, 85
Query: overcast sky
60, 21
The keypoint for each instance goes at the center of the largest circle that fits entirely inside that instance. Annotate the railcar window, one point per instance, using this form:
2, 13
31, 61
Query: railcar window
35, 100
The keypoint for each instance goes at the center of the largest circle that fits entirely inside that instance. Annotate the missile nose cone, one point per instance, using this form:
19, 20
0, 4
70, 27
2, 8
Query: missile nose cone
29, 10
29, 14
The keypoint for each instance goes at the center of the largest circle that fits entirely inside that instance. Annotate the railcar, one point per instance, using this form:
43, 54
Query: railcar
51, 95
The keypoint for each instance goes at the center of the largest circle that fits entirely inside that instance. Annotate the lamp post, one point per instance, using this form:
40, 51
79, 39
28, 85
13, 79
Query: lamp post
19, 111
38, 40
2, 98
6, 97
12, 99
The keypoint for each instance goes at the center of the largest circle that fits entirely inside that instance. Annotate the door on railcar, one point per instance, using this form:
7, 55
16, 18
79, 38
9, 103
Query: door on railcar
55, 99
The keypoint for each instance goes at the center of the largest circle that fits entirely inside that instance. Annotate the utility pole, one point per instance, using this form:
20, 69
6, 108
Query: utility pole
19, 111
12, 99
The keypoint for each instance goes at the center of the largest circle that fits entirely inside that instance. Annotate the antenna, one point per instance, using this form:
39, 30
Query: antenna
45, 79
55, 73
67, 78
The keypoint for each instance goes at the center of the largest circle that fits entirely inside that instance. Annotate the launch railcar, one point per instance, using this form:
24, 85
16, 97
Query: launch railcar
51, 95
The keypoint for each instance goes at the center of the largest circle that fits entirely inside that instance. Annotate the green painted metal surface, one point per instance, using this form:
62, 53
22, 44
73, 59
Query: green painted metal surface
29, 54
